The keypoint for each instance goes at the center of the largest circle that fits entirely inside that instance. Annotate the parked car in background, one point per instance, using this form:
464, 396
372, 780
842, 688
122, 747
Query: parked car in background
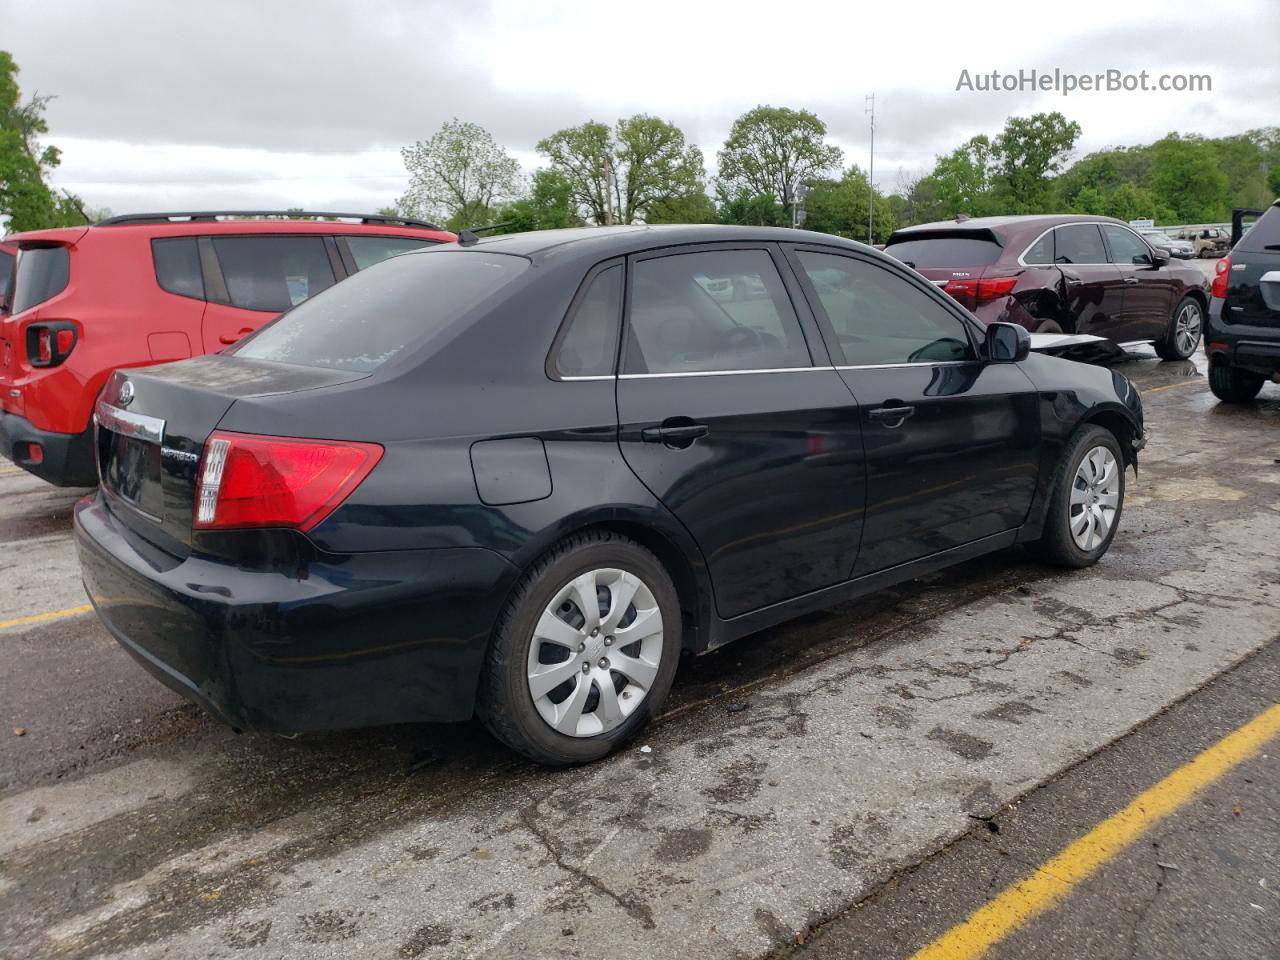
1062, 274
1242, 338
1210, 242
151, 288
1182, 249
8, 259
520, 476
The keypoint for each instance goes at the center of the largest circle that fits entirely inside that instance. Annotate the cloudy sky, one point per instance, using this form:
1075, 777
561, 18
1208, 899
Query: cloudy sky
277, 103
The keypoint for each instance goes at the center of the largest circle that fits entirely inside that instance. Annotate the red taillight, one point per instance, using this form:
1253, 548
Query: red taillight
50, 344
1221, 277
247, 480
981, 290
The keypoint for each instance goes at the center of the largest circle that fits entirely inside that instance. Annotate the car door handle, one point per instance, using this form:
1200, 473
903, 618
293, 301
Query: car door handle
683, 434
899, 414
1074, 281
1130, 279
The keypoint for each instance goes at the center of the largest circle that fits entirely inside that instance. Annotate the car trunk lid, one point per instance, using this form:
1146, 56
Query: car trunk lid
151, 425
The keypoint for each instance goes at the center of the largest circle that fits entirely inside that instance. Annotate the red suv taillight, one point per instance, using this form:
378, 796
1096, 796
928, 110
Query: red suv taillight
1221, 277
50, 344
981, 290
247, 480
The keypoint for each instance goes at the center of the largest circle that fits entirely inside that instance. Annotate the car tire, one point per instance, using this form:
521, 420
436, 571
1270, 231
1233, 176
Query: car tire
1075, 494
1183, 333
1231, 384
523, 641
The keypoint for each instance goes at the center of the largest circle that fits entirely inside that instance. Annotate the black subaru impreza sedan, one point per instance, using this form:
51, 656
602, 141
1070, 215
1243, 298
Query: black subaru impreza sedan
518, 477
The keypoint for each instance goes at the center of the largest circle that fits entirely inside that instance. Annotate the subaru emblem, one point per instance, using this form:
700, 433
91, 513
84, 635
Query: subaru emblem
126, 393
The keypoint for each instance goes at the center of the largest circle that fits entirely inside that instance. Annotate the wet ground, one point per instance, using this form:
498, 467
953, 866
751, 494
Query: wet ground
796, 774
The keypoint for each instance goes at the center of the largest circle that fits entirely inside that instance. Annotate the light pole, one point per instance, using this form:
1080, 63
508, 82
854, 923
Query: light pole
870, 107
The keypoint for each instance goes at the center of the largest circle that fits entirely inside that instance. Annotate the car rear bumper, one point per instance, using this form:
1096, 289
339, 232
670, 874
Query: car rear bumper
1252, 347
340, 642
66, 459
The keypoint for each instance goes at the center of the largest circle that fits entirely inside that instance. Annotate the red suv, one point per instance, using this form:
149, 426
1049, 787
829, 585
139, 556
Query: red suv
149, 288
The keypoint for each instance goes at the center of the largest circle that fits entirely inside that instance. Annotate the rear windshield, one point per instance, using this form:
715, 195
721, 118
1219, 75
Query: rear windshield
359, 324
945, 252
42, 273
1265, 234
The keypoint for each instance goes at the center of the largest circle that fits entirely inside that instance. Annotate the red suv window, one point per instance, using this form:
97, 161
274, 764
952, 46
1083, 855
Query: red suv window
273, 273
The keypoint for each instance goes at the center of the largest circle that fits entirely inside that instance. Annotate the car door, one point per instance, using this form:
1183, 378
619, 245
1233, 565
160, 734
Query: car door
252, 279
750, 439
1148, 289
1092, 285
951, 441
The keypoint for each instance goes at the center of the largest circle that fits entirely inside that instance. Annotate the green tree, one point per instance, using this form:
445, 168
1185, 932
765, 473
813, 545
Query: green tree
750, 209
961, 181
770, 151
549, 205
25, 198
1027, 154
1186, 178
1273, 182
840, 207
627, 173
692, 207
459, 175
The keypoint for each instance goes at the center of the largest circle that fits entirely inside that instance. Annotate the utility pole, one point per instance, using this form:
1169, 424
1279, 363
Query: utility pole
870, 107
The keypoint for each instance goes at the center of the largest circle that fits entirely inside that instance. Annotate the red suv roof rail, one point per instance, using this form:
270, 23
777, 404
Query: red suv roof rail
284, 214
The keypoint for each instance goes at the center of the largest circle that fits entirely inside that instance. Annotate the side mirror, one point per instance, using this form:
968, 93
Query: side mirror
1162, 257
1007, 342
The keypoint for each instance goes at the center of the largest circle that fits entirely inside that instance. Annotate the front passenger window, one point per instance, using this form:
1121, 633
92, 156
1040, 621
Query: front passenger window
720, 310
1125, 247
882, 318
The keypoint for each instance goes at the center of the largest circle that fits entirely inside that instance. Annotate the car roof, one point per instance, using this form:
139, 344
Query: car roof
239, 226
1004, 229
605, 242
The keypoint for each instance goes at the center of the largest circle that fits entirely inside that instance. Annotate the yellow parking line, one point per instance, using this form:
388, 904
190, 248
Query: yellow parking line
1031, 896
1171, 386
46, 617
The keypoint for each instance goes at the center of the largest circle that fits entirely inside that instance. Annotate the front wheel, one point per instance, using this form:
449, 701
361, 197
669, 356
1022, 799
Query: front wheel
1182, 336
584, 652
1231, 384
1086, 502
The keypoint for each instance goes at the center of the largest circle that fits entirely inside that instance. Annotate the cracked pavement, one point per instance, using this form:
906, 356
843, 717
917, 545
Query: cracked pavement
794, 773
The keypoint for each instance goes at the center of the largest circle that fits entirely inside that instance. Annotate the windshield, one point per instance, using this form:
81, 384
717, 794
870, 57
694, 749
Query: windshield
362, 322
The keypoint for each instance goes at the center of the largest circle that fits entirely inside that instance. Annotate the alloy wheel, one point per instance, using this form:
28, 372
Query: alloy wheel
595, 652
1186, 328
1095, 498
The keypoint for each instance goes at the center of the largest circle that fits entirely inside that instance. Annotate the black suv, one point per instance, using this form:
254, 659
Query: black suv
1242, 336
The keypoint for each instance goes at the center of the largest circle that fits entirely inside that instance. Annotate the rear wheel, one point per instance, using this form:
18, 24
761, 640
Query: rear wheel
1183, 333
584, 653
1231, 384
1086, 503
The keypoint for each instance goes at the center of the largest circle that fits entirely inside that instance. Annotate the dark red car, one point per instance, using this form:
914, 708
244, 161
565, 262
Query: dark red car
1063, 274
150, 288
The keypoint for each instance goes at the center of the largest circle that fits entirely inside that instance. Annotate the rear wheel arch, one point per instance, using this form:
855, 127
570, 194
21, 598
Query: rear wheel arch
687, 572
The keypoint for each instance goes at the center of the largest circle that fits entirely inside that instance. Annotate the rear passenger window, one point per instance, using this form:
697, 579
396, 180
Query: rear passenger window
882, 318
366, 251
1079, 243
718, 310
1265, 233
178, 266
589, 343
273, 273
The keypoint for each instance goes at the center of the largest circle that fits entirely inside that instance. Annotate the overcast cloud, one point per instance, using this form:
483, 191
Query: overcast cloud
306, 102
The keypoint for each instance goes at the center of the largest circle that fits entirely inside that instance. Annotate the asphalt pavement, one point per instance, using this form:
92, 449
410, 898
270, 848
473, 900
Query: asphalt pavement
795, 774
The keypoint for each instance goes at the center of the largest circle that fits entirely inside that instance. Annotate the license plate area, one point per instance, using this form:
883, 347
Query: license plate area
129, 458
